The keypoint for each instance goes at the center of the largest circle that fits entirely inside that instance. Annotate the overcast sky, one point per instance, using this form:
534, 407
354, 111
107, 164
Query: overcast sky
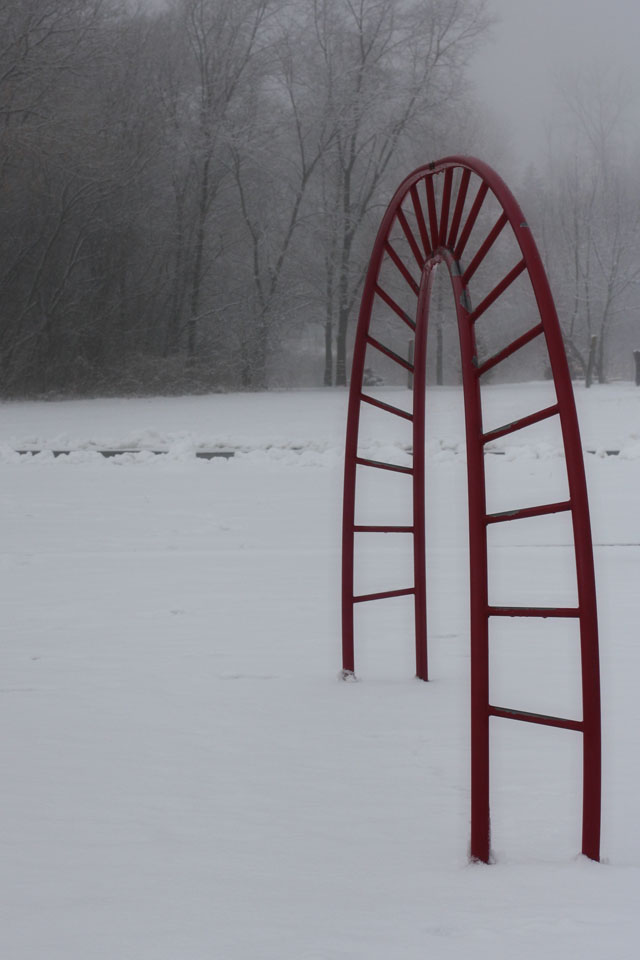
536, 40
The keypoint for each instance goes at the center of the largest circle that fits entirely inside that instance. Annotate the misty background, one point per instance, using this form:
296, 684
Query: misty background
190, 189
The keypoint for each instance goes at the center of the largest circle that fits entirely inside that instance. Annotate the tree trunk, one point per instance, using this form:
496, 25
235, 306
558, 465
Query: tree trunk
591, 362
328, 352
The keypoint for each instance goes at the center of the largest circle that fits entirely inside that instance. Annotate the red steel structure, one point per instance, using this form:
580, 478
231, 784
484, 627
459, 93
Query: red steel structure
434, 212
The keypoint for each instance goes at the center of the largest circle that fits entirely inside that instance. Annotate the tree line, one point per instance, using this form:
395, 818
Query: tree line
189, 190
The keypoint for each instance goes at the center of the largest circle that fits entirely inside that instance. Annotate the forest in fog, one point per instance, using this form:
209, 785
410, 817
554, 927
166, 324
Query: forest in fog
190, 189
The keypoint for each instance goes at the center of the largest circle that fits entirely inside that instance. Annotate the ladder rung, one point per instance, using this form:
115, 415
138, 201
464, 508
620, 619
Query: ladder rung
431, 209
381, 465
385, 595
535, 718
402, 268
397, 309
422, 227
360, 528
406, 229
390, 353
471, 220
524, 512
497, 291
521, 423
485, 247
533, 611
457, 213
446, 203
386, 406
516, 345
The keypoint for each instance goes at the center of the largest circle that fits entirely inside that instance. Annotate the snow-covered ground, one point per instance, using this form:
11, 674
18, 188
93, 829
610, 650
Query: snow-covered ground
184, 776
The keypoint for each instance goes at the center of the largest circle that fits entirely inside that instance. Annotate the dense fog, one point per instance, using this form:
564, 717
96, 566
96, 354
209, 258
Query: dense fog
190, 190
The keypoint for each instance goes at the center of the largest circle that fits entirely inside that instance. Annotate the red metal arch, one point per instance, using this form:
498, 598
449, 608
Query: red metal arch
441, 224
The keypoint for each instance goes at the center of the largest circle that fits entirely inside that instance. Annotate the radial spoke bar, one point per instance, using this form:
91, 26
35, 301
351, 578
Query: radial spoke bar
512, 348
495, 232
384, 596
471, 219
521, 423
401, 267
390, 302
535, 718
533, 612
422, 227
381, 465
446, 202
359, 528
386, 406
431, 206
389, 353
459, 207
525, 512
497, 291
415, 249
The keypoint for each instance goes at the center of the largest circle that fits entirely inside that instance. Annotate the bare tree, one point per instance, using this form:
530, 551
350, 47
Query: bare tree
592, 217
389, 68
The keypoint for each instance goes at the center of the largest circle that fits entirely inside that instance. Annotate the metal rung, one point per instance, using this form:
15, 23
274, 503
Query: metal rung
406, 229
497, 291
471, 220
485, 248
390, 353
446, 204
386, 406
542, 718
385, 595
360, 528
521, 423
524, 512
397, 309
457, 213
422, 227
402, 268
433, 215
516, 345
533, 611
380, 465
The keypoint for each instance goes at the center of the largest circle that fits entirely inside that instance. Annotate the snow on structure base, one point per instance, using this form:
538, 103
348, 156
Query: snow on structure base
439, 213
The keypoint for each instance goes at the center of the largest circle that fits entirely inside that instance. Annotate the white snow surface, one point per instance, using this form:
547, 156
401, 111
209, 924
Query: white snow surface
184, 775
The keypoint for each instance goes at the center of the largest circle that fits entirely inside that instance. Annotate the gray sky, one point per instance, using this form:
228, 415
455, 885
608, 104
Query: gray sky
536, 40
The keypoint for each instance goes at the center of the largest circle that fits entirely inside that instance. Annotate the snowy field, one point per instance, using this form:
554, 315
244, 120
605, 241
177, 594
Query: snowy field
184, 776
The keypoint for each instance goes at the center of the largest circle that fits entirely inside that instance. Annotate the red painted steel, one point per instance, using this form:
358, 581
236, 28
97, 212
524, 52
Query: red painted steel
432, 240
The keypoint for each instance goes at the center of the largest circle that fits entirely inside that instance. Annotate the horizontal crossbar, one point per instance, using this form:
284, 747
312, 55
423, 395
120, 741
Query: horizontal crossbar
390, 353
533, 611
521, 423
524, 512
386, 406
507, 351
359, 528
381, 465
384, 596
535, 718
